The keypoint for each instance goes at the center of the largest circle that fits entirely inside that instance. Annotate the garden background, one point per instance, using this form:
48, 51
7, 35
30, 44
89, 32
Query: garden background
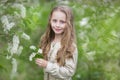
97, 23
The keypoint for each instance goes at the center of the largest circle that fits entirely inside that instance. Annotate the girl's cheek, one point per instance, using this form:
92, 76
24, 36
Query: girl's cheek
63, 26
52, 24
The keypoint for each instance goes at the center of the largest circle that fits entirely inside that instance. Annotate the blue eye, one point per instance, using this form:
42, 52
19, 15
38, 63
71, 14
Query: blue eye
54, 20
62, 22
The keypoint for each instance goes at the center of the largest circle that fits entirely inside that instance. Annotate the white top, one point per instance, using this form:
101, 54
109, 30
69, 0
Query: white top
55, 72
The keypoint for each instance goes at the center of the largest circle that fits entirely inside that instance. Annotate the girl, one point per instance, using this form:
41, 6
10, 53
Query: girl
58, 45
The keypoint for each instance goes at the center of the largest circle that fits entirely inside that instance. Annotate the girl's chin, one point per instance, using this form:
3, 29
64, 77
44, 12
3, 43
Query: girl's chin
56, 32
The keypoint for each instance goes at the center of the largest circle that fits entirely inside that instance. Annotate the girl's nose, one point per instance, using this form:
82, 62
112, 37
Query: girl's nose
57, 24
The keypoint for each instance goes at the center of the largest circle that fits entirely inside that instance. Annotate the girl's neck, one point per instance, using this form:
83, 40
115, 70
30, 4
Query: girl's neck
57, 38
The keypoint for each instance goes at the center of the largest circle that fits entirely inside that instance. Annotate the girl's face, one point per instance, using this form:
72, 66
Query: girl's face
58, 22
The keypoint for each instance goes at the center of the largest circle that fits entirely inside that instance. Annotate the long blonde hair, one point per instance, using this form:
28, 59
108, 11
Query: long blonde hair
67, 48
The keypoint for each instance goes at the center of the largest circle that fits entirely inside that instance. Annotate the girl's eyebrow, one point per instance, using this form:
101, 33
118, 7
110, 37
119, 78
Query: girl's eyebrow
63, 21
60, 20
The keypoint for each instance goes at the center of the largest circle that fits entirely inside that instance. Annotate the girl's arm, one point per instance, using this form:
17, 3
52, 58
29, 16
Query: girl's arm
65, 71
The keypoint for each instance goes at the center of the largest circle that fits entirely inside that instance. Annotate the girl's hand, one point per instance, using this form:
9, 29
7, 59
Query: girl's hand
41, 62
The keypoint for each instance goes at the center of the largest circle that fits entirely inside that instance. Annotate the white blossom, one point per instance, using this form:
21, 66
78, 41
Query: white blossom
8, 56
25, 36
17, 14
85, 46
78, 76
82, 35
13, 47
23, 11
63, 2
32, 47
15, 44
34, 53
6, 25
32, 56
9, 50
40, 51
21, 8
3, 1
90, 55
10, 25
9, 47
14, 67
114, 33
20, 50
111, 14
84, 21
4, 20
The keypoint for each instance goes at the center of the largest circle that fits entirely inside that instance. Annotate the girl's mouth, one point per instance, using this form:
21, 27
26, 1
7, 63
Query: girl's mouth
57, 29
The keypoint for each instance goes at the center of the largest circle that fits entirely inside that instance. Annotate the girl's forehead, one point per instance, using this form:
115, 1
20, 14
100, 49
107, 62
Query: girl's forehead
58, 13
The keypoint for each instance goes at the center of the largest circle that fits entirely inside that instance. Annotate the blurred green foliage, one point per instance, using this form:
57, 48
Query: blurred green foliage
97, 24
